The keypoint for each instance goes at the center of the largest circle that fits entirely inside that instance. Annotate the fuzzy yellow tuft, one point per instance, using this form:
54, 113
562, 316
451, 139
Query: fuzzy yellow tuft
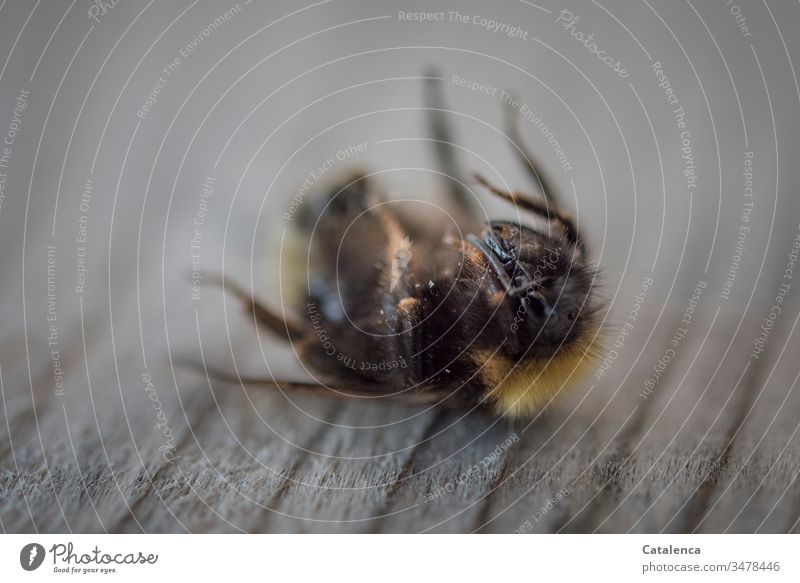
524, 389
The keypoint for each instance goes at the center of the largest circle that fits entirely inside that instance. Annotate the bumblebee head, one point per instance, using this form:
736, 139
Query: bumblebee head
540, 288
541, 285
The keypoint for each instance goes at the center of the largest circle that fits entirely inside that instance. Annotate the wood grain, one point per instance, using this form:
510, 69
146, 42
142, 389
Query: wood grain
714, 447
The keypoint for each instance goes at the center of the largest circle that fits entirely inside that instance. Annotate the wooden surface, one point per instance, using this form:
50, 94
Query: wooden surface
714, 448
728, 465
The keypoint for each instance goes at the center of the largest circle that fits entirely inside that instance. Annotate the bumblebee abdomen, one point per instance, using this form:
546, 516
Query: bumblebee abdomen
523, 389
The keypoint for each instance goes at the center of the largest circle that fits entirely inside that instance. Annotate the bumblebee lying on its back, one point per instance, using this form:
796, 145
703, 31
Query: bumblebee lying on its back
504, 316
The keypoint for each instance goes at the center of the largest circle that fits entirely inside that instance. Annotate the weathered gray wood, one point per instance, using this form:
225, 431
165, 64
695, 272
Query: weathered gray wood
714, 448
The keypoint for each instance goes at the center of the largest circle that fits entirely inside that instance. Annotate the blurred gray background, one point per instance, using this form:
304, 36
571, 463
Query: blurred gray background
103, 189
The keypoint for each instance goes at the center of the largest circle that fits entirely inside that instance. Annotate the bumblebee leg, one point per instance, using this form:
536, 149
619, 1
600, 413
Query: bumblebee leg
512, 129
460, 196
419, 397
408, 342
537, 207
282, 326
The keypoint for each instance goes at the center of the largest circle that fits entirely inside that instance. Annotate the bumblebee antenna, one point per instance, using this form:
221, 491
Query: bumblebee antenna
537, 207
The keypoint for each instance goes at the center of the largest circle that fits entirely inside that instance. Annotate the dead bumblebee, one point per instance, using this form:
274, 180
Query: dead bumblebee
503, 316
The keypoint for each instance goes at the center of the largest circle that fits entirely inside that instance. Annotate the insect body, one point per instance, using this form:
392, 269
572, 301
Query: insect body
503, 315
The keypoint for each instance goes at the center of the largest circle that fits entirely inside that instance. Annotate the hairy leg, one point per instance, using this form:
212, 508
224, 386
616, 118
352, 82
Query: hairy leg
512, 129
284, 327
465, 207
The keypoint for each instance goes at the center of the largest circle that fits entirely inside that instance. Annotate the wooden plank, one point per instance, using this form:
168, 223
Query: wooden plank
713, 448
